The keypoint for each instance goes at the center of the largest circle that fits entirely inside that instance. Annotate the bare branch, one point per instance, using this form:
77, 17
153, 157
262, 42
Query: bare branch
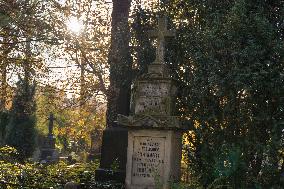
94, 71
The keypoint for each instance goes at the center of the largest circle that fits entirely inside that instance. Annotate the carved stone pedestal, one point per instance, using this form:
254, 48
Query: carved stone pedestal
154, 133
153, 158
154, 136
49, 153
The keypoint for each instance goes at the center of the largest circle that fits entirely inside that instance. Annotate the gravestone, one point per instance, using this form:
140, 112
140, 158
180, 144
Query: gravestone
95, 145
95, 141
154, 133
113, 155
48, 151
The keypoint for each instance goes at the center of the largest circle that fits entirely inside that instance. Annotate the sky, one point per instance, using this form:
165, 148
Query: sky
64, 73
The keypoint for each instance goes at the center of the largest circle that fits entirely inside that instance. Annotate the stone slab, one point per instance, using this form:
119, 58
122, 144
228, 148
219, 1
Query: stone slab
113, 151
153, 158
49, 155
154, 97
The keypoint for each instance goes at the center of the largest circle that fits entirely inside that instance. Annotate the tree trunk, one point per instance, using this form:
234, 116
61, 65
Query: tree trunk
82, 99
119, 59
114, 141
3, 70
3, 100
3, 86
27, 62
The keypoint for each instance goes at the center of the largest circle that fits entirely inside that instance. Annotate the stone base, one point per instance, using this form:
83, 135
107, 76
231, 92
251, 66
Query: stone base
104, 175
153, 158
113, 155
49, 155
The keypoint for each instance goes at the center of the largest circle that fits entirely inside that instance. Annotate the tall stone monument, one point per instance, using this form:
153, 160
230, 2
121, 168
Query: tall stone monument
48, 151
154, 135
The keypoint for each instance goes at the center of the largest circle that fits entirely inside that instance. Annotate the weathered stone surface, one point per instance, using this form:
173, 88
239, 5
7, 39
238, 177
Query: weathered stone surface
153, 158
114, 151
150, 121
48, 152
154, 97
161, 33
154, 89
154, 137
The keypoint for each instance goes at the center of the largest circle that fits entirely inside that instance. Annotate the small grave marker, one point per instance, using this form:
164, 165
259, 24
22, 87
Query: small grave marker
49, 152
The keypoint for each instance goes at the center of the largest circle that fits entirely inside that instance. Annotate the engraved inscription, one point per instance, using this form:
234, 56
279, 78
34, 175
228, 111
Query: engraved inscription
151, 104
148, 159
154, 89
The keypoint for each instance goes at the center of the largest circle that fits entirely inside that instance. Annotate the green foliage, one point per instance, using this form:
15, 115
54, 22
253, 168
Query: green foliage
8, 154
229, 60
21, 127
145, 53
107, 185
185, 186
33, 175
228, 57
73, 126
115, 165
4, 19
56, 175
4, 118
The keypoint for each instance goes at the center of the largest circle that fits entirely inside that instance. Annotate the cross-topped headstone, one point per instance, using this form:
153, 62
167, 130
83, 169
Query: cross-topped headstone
48, 151
155, 134
51, 119
161, 32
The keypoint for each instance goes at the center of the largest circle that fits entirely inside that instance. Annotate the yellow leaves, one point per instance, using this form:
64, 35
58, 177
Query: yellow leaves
81, 123
7, 150
196, 124
73, 123
9, 171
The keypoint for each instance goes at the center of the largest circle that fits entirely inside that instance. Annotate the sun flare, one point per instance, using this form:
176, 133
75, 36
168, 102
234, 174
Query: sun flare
74, 25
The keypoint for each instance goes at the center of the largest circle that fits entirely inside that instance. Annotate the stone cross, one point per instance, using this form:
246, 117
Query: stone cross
155, 135
51, 119
161, 32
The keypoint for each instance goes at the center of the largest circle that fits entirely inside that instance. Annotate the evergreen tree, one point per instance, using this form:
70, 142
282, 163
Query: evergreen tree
119, 59
229, 58
21, 127
4, 118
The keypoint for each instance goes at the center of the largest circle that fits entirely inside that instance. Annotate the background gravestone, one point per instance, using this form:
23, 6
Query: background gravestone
154, 136
49, 152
